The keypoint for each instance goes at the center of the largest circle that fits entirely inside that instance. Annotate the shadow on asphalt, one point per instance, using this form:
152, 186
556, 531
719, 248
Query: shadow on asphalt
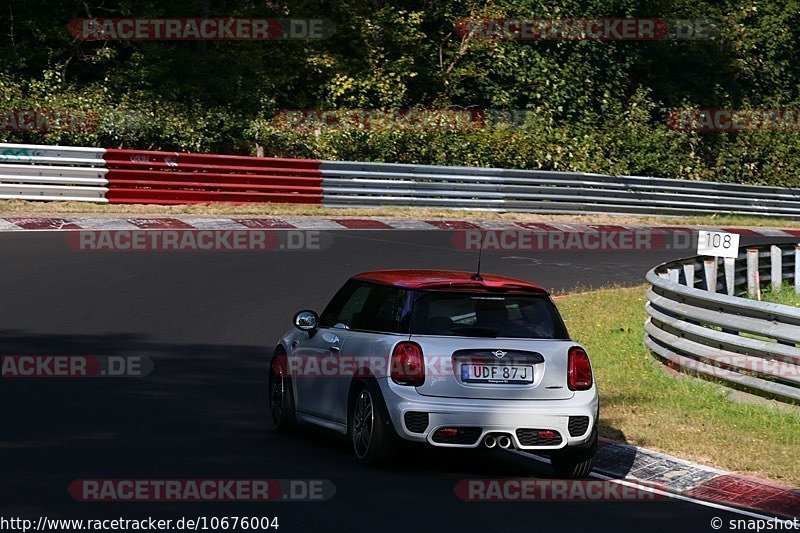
200, 406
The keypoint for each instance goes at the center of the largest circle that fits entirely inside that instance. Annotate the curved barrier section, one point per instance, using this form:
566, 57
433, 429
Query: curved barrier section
747, 344
140, 177
33, 172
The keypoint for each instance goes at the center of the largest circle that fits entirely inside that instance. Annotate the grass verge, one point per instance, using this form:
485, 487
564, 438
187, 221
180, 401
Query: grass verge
784, 296
689, 418
24, 208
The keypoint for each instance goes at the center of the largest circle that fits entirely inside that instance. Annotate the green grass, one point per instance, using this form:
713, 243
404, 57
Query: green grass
644, 405
785, 295
739, 221
36, 208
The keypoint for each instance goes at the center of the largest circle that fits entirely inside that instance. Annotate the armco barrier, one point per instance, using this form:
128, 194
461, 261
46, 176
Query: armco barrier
139, 176
32, 172
376, 184
748, 344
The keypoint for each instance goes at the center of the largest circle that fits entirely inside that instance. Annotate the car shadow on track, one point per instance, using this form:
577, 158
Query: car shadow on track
202, 412
412, 458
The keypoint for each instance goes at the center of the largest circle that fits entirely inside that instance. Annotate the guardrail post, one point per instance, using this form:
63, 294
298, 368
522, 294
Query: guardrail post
776, 267
710, 271
674, 275
797, 269
730, 274
688, 273
752, 272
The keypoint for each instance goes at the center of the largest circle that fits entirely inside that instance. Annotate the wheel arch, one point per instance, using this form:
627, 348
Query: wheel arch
280, 351
364, 376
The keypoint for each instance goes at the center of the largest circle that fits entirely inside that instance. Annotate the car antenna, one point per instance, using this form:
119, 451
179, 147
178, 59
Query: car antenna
477, 275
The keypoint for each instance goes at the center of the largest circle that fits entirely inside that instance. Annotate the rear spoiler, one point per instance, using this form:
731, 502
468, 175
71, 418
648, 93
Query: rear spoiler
484, 286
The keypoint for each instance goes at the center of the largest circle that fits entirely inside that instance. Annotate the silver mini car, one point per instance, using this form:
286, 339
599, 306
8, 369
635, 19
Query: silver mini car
450, 359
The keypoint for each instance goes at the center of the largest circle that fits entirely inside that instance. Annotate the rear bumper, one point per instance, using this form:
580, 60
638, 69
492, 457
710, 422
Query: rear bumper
490, 416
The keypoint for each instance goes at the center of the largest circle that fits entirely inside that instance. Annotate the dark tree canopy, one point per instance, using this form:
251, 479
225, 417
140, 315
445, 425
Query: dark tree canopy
598, 106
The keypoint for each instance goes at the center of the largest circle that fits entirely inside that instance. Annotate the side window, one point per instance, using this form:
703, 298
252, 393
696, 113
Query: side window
351, 313
346, 306
382, 311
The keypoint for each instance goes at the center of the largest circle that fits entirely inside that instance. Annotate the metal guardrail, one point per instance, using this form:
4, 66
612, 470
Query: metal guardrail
33, 172
347, 183
149, 177
748, 344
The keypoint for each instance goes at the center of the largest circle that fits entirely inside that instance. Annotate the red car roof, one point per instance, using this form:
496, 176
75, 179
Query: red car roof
446, 279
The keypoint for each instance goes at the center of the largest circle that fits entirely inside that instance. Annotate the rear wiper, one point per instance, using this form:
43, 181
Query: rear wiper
475, 331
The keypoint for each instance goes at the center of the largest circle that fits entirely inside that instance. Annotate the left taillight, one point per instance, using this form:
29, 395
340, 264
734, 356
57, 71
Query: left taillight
408, 364
579, 369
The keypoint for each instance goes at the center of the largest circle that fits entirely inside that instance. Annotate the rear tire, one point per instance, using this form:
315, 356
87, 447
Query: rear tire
575, 463
369, 427
281, 396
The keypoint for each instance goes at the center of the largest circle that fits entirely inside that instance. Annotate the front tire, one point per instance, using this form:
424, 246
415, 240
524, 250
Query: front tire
575, 463
369, 427
281, 397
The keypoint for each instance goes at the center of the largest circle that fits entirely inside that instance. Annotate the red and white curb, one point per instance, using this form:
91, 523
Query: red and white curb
19, 223
685, 480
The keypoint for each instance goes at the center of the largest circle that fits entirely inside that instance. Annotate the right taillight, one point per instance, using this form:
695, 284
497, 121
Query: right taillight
408, 365
579, 369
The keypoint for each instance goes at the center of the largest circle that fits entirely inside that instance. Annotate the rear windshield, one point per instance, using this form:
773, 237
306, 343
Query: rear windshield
466, 314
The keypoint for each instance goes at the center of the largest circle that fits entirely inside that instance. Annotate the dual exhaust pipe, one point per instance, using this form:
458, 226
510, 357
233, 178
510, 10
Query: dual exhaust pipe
502, 441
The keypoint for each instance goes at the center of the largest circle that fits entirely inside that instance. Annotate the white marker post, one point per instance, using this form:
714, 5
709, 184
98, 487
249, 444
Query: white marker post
719, 244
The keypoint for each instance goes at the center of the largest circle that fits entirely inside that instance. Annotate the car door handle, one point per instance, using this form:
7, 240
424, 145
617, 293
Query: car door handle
332, 339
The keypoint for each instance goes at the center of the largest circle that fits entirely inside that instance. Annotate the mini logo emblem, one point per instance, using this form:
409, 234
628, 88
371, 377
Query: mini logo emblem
499, 353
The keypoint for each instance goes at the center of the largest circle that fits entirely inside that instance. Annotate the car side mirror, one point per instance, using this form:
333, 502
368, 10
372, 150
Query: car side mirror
306, 321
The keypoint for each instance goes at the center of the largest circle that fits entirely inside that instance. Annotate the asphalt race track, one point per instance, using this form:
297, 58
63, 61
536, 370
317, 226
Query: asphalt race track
209, 320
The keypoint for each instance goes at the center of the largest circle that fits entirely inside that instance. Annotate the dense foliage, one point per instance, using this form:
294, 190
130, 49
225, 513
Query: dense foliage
598, 106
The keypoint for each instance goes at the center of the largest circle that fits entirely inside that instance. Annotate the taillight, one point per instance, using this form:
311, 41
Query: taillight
579, 369
408, 366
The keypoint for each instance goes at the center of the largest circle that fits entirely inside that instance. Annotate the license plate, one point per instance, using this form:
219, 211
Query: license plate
506, 374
